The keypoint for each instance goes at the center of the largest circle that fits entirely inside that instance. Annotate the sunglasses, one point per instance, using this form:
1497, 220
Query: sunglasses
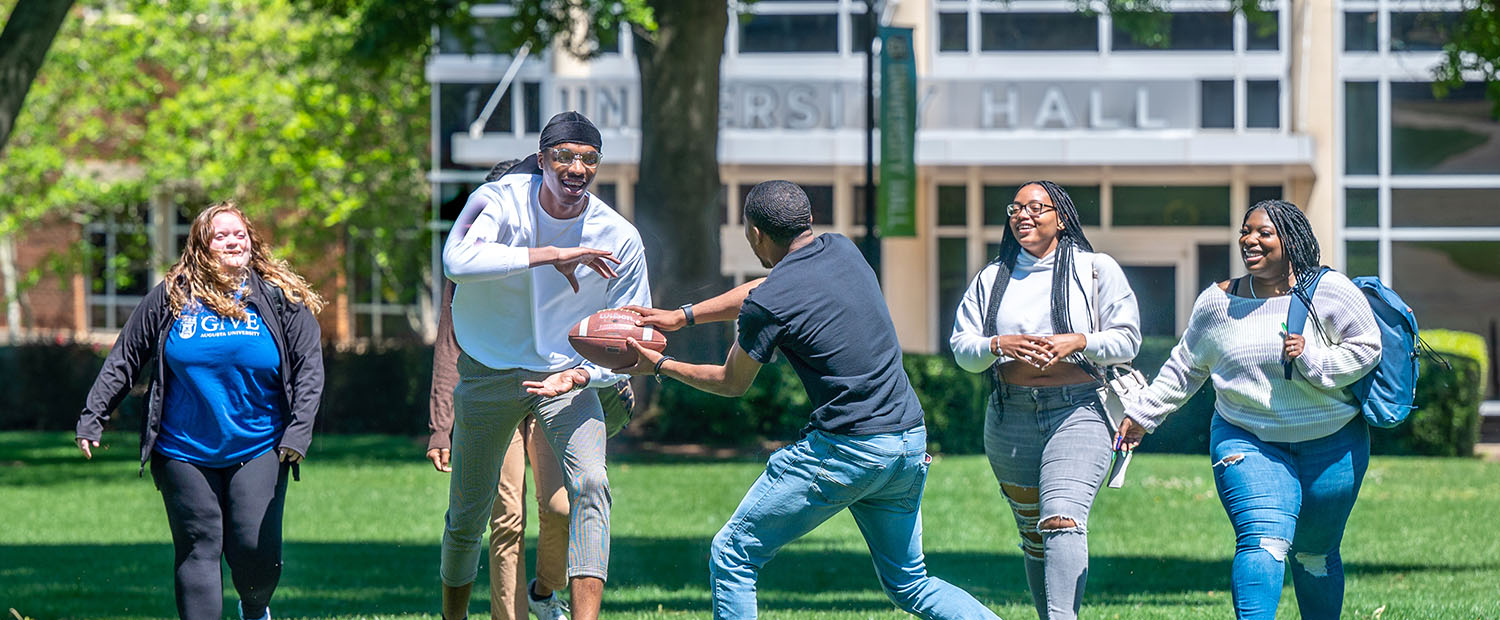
1033, 208
566, 157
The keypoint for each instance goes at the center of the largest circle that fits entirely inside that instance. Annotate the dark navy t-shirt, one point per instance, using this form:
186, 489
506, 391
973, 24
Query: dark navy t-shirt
224, 401
822, 307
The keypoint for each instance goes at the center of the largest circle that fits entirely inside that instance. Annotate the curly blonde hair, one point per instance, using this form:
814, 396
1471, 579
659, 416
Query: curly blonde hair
197, 274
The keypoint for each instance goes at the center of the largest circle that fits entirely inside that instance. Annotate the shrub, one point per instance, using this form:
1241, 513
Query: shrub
386, 390
46, 383
376, 391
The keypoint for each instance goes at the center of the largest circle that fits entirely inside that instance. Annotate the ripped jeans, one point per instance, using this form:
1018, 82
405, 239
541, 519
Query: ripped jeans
1288, 501
1050, 448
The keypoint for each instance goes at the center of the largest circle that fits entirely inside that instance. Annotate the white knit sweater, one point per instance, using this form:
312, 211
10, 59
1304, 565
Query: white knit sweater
1238, 341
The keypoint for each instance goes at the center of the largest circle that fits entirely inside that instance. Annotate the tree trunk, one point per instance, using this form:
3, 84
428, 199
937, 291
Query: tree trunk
677, 197
23, 47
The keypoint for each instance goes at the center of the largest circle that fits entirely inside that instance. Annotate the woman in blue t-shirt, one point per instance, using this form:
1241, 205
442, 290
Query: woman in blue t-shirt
239, 372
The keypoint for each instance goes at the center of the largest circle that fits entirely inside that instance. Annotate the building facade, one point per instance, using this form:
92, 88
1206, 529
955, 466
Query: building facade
1327, 103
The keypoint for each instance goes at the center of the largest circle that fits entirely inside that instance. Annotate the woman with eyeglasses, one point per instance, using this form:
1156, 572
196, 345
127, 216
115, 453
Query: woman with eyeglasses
1042, 318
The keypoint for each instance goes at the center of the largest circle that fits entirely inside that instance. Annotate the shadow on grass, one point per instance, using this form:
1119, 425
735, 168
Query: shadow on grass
340, 579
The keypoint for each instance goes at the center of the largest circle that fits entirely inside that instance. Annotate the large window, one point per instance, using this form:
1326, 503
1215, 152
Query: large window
800, 27
1421, 32
1156, 293
128, 248
1421, 179
1451, 284
118, 264
1361, 33
460, 104
387, 288
1187, 31
1452, 135
953, 279
487, 35
1361, 134
1038, 32
1060, 27
789, 33
1173, 205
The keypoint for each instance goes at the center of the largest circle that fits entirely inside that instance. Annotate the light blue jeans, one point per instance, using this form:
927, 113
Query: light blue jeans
1288, 501
1050, 449
879, 478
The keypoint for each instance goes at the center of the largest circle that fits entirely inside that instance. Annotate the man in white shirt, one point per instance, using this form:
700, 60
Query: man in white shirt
532, 255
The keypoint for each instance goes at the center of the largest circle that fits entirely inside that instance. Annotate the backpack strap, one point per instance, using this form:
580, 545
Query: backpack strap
1296, 313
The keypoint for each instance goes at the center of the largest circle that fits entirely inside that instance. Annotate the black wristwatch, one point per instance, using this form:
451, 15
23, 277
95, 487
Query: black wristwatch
687, 311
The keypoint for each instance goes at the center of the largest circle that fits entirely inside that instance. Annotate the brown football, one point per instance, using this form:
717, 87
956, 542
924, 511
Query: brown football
600, 338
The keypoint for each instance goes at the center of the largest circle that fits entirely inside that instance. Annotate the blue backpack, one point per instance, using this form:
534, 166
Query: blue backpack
1388, 393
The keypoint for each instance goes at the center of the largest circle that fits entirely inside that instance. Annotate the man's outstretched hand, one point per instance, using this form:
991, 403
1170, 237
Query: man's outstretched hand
664, 320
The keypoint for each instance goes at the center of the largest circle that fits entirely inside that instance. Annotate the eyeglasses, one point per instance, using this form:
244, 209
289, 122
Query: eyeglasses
566, 157
1032, 208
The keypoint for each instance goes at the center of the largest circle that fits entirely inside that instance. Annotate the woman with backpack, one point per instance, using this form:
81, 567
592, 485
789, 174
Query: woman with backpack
238, 375
1288, 444
1041, 319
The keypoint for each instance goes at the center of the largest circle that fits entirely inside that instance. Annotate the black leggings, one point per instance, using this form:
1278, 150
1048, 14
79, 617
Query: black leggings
232, 511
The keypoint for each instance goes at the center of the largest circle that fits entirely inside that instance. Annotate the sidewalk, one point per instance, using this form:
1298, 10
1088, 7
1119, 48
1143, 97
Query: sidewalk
1488, 447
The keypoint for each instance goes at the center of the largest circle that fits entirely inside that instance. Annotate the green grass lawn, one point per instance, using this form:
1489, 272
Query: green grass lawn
89, 539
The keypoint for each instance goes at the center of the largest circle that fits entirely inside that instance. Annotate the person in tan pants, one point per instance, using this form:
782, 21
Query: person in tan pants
508, 515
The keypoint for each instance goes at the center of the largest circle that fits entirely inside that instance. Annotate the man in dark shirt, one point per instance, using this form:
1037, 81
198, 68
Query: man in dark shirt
865, 447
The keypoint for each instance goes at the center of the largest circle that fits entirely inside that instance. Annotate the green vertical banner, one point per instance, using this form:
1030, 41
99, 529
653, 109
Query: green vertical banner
896, 194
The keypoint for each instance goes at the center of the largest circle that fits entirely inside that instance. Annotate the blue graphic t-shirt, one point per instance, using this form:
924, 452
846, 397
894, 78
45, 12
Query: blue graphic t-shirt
224, 398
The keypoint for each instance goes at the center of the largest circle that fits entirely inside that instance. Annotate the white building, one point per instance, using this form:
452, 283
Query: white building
1329, 106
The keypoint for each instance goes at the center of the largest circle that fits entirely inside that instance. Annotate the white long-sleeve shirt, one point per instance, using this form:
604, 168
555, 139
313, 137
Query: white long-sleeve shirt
507, 315
1238, 341
1113, 335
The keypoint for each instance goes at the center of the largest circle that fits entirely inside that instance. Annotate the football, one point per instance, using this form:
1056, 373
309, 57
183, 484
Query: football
600, 338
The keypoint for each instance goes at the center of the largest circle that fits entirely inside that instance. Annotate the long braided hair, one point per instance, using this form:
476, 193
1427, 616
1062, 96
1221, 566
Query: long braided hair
1297, 240
1297, 243
1069, 236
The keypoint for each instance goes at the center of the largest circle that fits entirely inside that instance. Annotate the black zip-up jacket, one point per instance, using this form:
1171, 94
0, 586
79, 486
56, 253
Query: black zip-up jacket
292, 326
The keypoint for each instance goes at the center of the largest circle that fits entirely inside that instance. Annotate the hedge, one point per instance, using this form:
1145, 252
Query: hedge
1446, 422
386, 391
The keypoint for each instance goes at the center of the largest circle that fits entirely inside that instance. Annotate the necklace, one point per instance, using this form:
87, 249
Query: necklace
1274, 292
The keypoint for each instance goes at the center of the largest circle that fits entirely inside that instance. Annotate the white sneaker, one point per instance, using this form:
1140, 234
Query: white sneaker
242, 613
550, 608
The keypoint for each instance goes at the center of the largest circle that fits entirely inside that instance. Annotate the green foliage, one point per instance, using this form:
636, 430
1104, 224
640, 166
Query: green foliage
201, 100
376, 391
45, 385
390, 29
775, 406
1446, 421
1149, 23
1473, 50
953, 401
